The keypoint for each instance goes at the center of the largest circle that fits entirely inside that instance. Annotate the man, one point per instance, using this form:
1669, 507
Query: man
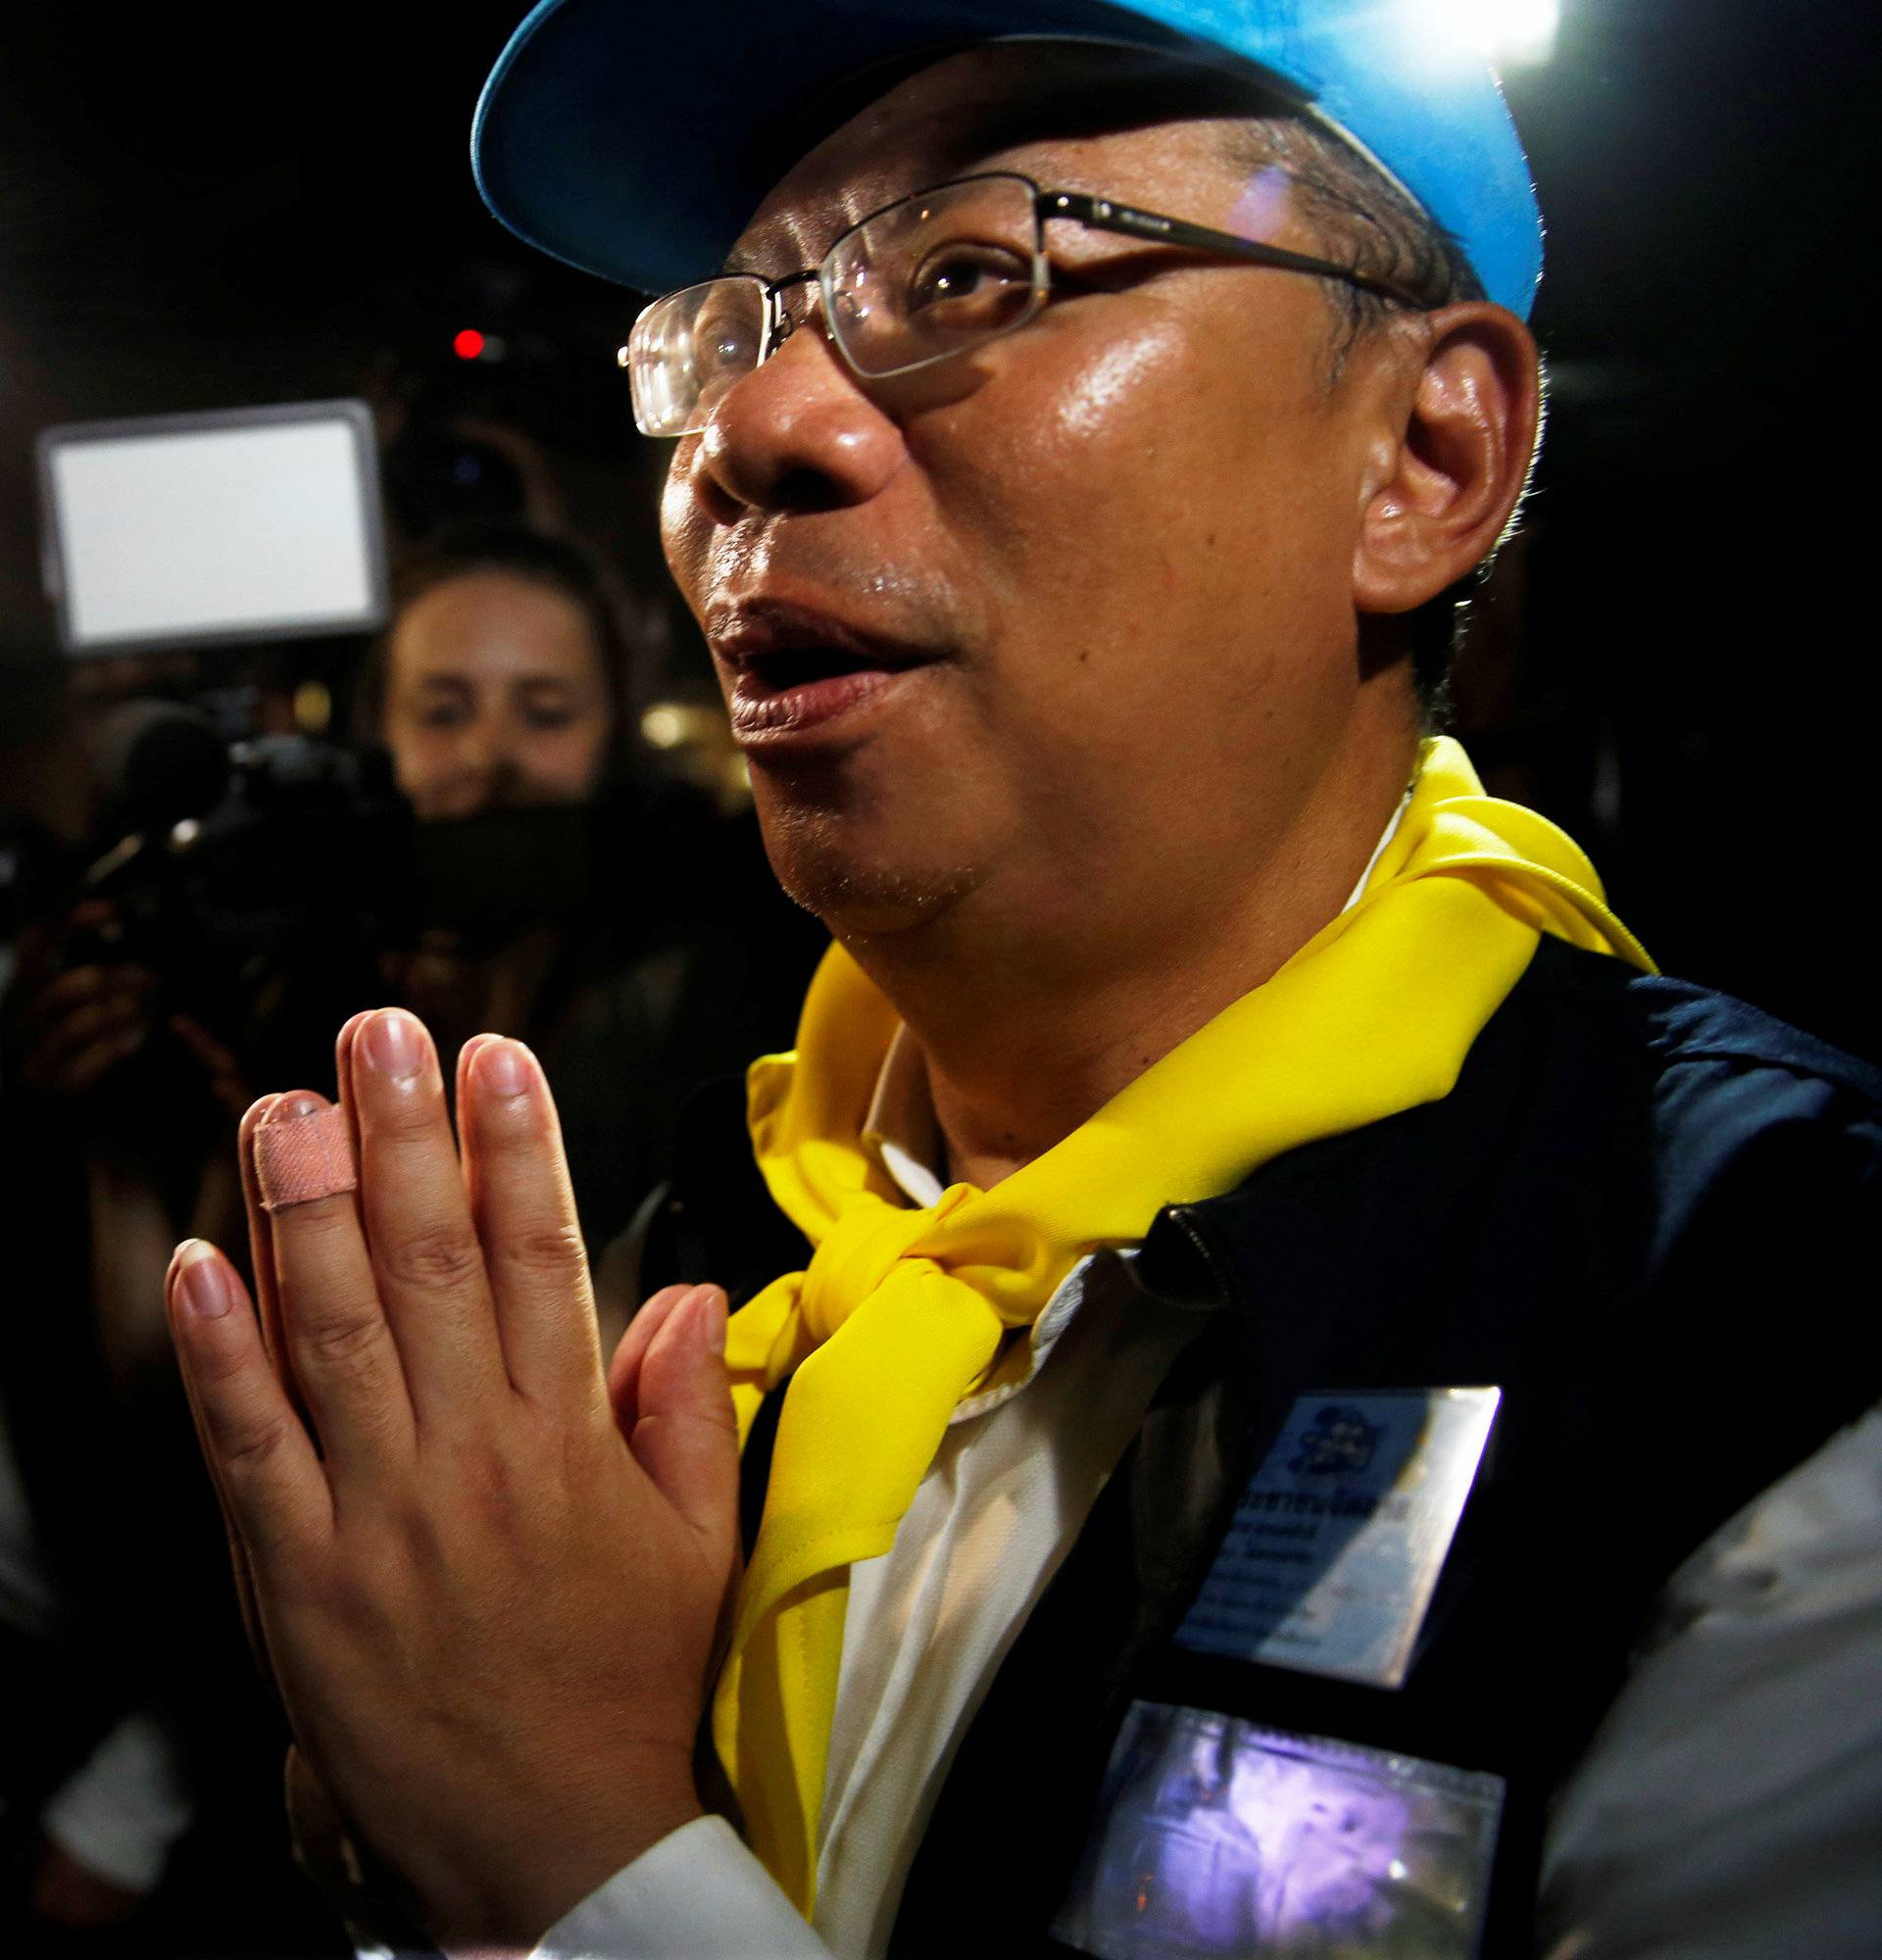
1214, 1100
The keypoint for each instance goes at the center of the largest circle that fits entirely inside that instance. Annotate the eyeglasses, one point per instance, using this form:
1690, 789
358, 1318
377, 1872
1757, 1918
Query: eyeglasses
923, 279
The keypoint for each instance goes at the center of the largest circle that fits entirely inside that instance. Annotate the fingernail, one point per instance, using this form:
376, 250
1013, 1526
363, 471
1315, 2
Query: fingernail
298, 1102
505, 1066
204, 1280
712, 1320
395, 1045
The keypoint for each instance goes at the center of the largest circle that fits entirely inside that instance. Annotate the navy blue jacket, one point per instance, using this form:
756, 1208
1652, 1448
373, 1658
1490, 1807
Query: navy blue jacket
1644, 1212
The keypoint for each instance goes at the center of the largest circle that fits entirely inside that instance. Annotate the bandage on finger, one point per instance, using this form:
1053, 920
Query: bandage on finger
305, 1157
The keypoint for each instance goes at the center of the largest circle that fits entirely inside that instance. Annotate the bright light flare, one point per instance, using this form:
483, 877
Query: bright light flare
1513, 33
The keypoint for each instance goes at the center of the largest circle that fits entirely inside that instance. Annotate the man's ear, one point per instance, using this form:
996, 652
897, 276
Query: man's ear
1447, 487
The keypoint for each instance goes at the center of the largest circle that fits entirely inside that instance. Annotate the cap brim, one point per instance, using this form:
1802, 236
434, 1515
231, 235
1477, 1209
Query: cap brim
636, 141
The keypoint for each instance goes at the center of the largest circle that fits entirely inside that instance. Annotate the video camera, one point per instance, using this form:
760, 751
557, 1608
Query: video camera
284, 857
231, 861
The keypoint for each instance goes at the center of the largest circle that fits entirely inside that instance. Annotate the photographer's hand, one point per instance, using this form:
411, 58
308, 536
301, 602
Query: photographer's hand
489, 1609
69, 1028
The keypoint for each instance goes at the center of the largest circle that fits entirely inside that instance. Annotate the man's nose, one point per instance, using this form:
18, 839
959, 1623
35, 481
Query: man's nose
796, 434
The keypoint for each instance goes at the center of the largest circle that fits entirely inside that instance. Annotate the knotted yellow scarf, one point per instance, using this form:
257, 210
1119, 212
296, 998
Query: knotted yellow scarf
902, 1311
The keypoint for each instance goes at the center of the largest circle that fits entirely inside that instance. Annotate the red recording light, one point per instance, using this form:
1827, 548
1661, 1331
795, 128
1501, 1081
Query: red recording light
467, 344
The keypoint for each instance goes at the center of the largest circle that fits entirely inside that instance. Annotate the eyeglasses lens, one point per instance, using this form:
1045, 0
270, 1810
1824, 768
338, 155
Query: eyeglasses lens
932, 276
688, 348
935, 274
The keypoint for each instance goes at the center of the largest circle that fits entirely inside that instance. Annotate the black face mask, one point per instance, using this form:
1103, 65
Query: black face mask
489, 877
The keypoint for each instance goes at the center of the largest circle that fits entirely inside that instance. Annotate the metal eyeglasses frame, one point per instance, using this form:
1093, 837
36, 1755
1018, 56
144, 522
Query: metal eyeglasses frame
1095, 212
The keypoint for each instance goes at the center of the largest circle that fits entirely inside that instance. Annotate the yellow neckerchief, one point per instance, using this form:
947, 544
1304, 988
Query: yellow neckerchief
902, 1310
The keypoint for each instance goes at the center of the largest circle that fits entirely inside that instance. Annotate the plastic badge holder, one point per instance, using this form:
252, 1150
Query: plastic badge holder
1217, 1839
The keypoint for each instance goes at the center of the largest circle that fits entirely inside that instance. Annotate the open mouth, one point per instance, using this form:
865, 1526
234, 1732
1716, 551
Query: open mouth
802, 666
801, 674
792, 694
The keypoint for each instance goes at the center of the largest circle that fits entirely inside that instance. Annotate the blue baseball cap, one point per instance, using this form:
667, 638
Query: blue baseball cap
634, 139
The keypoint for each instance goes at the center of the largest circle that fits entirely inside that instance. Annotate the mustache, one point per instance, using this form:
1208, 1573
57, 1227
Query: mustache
907, 601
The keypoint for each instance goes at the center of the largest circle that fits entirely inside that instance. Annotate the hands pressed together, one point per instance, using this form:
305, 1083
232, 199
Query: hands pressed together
487, 1579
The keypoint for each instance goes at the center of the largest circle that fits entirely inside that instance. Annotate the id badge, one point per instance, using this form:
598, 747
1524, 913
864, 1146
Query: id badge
1337, 1543
1222, 1841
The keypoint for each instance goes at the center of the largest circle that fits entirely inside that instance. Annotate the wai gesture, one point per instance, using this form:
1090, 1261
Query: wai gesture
488, 1579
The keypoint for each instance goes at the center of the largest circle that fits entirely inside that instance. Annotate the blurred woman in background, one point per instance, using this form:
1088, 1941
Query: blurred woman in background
503, 679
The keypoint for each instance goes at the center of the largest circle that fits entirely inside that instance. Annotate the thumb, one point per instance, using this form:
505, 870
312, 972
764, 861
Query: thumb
684, 1434
624, 1371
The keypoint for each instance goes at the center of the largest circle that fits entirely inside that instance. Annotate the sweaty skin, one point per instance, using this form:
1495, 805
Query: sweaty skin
1118, 757
1142, 761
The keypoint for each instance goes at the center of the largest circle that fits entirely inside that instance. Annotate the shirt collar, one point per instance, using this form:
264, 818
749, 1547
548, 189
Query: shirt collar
901, 1130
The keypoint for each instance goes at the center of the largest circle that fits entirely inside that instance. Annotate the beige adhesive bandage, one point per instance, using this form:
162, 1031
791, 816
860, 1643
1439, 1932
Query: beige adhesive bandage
304, 1157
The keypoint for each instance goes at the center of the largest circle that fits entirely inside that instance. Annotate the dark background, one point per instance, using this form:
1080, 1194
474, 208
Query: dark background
201, 210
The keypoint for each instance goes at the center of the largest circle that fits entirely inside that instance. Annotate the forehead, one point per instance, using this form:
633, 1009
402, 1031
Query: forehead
1054, 109
491, 615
